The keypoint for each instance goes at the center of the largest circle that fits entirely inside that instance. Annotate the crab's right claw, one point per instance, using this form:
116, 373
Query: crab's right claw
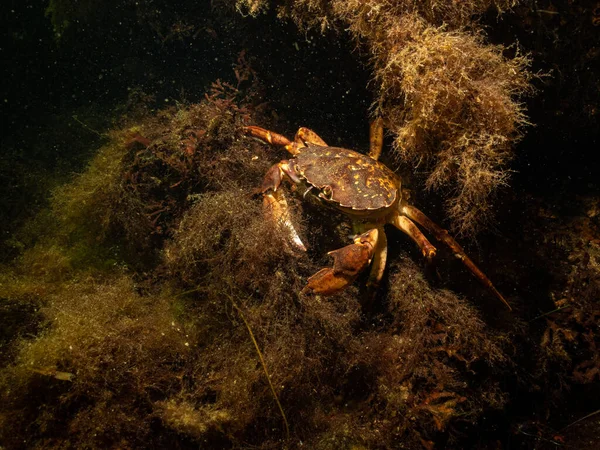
348, 263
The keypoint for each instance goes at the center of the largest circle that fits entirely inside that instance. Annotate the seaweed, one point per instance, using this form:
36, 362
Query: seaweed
120, 209
213, 342
570, 348
105, 352
463, 120
82, 215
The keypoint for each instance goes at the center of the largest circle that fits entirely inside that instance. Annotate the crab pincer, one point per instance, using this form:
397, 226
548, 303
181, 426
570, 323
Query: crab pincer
348, 263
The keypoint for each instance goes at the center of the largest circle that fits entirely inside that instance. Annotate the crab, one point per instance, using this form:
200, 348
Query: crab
362, 188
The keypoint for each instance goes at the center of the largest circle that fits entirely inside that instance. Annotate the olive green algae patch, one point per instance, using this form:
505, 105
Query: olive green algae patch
84, 215
104, 353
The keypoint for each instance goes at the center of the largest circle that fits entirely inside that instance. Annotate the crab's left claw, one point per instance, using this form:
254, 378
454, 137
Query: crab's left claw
348, 263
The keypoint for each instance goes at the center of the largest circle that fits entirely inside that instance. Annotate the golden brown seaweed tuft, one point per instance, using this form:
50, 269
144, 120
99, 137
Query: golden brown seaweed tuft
459, 114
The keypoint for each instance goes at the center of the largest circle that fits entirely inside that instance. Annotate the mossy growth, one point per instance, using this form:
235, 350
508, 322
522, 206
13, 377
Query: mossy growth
134, 313
131, 196
325, 15
104, 354
87, 222
173, 356
463, 118
409, 379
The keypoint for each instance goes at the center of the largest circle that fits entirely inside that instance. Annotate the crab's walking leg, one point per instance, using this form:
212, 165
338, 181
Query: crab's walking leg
443, 236
379, 261
376, 138
348, 263
407, 226
266, 135
274, 203
379, 253
303, 135
274, 138
307, 135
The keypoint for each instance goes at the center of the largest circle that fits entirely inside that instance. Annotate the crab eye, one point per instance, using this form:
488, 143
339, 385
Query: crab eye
326, 192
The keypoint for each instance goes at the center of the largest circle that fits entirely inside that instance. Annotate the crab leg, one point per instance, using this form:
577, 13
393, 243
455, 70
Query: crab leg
274, 138
379, 261
407, 226
277, 211
443, 236
266, 135
379, 253
307, 135
348, 263
303, 135
376, 138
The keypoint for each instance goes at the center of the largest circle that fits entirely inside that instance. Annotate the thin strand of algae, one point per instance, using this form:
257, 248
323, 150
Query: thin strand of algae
264, 366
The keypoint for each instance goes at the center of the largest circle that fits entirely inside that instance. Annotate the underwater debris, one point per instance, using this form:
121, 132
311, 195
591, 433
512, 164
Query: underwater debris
264, 366
52, 372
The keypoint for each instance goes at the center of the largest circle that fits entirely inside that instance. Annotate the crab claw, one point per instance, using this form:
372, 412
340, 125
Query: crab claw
348, 263
276, 211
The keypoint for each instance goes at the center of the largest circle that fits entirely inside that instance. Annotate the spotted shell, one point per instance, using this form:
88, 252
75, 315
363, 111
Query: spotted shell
348, 178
